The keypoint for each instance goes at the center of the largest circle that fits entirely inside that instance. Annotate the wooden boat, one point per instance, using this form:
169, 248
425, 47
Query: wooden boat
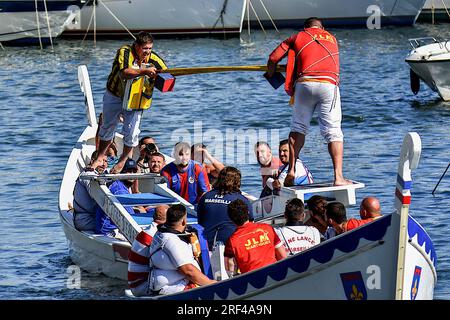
389, 258
429, 61
30, 21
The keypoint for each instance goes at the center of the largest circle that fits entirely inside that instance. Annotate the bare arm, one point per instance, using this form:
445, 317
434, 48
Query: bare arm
216, 163
230, 265
280, 253
194, 275
130, 73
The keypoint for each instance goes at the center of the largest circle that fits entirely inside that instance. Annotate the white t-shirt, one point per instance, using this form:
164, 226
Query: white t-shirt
302, 175
298, 238
174, 254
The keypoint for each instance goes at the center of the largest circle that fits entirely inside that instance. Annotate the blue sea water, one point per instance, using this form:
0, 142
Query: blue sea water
43, 115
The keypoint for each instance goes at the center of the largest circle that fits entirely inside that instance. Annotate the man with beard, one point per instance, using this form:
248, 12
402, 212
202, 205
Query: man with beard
103, 223
302, 173
184, 176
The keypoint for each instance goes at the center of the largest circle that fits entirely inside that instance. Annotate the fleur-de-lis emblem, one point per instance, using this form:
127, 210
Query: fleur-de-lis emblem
356, 295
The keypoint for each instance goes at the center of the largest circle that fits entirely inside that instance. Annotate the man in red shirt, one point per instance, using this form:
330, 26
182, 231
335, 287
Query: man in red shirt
316, 86
337, 218
252, 245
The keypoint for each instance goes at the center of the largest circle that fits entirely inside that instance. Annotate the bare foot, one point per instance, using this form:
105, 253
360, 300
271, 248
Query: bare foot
289, 180
342, 182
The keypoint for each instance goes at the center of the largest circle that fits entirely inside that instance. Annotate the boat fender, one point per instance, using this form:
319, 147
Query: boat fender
414, 81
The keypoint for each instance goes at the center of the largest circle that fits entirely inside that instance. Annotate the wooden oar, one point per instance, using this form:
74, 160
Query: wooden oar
199, 70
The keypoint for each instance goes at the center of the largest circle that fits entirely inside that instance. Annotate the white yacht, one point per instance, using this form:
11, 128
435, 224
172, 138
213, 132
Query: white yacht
429, 61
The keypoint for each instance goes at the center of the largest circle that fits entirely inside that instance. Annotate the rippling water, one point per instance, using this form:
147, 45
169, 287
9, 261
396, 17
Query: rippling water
43, 115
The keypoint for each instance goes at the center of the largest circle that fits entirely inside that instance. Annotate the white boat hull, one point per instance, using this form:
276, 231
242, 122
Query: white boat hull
27, 27
432, 64
170, 17
292, 13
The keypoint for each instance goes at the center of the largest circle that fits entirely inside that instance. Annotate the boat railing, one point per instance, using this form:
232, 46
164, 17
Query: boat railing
418, 42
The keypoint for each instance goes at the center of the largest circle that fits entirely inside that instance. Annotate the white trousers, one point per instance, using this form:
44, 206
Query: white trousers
324, 97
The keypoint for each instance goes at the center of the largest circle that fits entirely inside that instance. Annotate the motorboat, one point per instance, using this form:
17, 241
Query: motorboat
292, 13
429, 61
391, 257
34, 21
111, 18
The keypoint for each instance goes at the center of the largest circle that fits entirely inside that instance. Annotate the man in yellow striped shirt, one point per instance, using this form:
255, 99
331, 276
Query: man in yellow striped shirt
131, 61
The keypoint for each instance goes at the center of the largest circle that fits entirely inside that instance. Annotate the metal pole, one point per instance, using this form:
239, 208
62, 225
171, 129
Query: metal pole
440, 179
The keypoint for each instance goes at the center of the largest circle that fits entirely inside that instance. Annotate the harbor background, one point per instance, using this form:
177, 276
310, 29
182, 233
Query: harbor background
43, 116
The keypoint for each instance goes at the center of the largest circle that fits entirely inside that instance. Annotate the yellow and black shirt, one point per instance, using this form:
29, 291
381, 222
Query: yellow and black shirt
125, 58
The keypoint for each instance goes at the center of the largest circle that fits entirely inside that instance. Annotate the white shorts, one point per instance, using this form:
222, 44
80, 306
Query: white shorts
112, 109
326, 98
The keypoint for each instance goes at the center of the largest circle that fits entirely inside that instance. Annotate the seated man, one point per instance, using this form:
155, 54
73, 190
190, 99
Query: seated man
337, 218
212, 209
252, 245
157, 161
138, 258
296, 236
185, 176
84, 206
370, 209
172, 262
317, 217
200, 154
144, 157
302, 173
268, 163
103, 223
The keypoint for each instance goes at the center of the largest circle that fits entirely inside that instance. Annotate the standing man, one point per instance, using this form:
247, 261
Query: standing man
316, 86
130, 62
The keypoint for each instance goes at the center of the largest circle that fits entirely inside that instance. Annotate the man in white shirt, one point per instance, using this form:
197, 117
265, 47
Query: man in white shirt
172, 262
302, 173
296, 236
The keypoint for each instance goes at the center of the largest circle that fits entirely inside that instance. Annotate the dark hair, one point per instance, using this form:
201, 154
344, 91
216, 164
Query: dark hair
141, 141
228, 181
336, 211
158, 154
313, 203
238, 212
312, 22
143, 37
294, 210
283, 142
174, 214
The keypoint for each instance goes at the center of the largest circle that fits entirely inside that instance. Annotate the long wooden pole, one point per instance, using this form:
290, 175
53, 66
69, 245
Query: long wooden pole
199, 70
